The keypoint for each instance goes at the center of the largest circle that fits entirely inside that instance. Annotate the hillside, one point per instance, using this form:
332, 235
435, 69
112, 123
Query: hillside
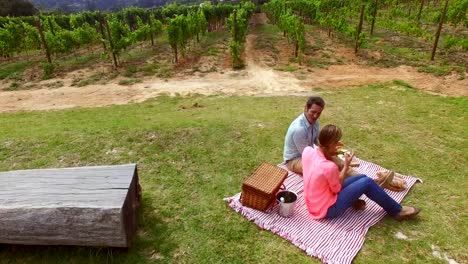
16, 8
69, 6
84, 79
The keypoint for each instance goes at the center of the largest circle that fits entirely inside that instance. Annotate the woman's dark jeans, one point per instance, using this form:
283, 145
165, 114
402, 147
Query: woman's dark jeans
353, 187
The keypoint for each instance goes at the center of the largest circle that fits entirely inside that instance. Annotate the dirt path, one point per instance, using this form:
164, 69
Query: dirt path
337, 76
256, 79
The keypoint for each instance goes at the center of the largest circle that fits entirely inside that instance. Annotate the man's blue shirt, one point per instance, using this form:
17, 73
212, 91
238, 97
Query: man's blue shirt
300, 135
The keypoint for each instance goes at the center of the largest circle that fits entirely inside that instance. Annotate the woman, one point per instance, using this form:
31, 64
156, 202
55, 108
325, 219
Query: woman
329, 192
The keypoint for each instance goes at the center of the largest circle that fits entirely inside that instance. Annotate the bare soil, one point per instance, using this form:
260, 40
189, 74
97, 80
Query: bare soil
259, 78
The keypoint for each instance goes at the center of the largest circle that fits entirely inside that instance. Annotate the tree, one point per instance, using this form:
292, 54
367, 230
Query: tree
175, 32
17, 8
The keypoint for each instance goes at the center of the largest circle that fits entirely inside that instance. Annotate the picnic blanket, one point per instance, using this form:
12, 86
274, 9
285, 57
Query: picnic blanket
331, 240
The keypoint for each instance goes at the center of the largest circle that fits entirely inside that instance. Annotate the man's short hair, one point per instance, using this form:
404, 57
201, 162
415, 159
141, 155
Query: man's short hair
315, 100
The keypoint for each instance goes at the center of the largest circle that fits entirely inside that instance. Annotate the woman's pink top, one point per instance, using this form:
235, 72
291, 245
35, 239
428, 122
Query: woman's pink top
321, 182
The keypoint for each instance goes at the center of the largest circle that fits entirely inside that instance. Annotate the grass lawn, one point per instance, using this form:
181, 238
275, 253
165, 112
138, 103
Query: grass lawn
194, 151
13, 70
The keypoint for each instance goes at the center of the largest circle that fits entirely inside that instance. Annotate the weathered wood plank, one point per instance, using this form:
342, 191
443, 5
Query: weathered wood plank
62, 226
90, 206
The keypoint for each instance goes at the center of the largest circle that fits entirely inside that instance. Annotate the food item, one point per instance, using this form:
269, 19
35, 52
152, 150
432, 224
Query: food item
341, 151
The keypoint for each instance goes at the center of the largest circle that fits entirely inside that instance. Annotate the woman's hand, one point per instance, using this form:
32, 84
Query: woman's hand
338, 147
348, 158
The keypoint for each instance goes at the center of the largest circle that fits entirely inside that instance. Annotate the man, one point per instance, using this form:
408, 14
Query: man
302, 132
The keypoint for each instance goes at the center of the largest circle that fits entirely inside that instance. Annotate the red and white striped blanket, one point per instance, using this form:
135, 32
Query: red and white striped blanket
332, 241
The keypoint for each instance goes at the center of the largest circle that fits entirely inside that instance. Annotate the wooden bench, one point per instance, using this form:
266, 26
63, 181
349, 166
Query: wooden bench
85, 206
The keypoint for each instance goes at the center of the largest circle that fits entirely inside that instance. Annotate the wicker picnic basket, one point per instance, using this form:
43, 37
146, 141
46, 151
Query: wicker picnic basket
260, 188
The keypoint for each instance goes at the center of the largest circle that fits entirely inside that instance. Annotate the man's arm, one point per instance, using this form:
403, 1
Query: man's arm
315, 132
300, 140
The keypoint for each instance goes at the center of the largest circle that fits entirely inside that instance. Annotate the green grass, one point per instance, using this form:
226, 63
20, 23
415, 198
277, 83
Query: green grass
97, 77
441, 70
408, 53
287, 68
402, 84
400, 49
318, 63
13, 70
212, 51
48, 70
129, 81
12, 87
314, 32
192, 152
270, 35
136, 54
162, 70
80, 61
270, 30
56, 84
131, 70
210, 39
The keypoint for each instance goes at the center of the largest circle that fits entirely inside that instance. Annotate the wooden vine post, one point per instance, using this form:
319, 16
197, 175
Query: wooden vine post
374, 16
106, 23
439, 28
51, 25
174, 37
420, 10
234, 28
361, 19
296, 49
101, 30
236, 62
44, 43
150, 23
